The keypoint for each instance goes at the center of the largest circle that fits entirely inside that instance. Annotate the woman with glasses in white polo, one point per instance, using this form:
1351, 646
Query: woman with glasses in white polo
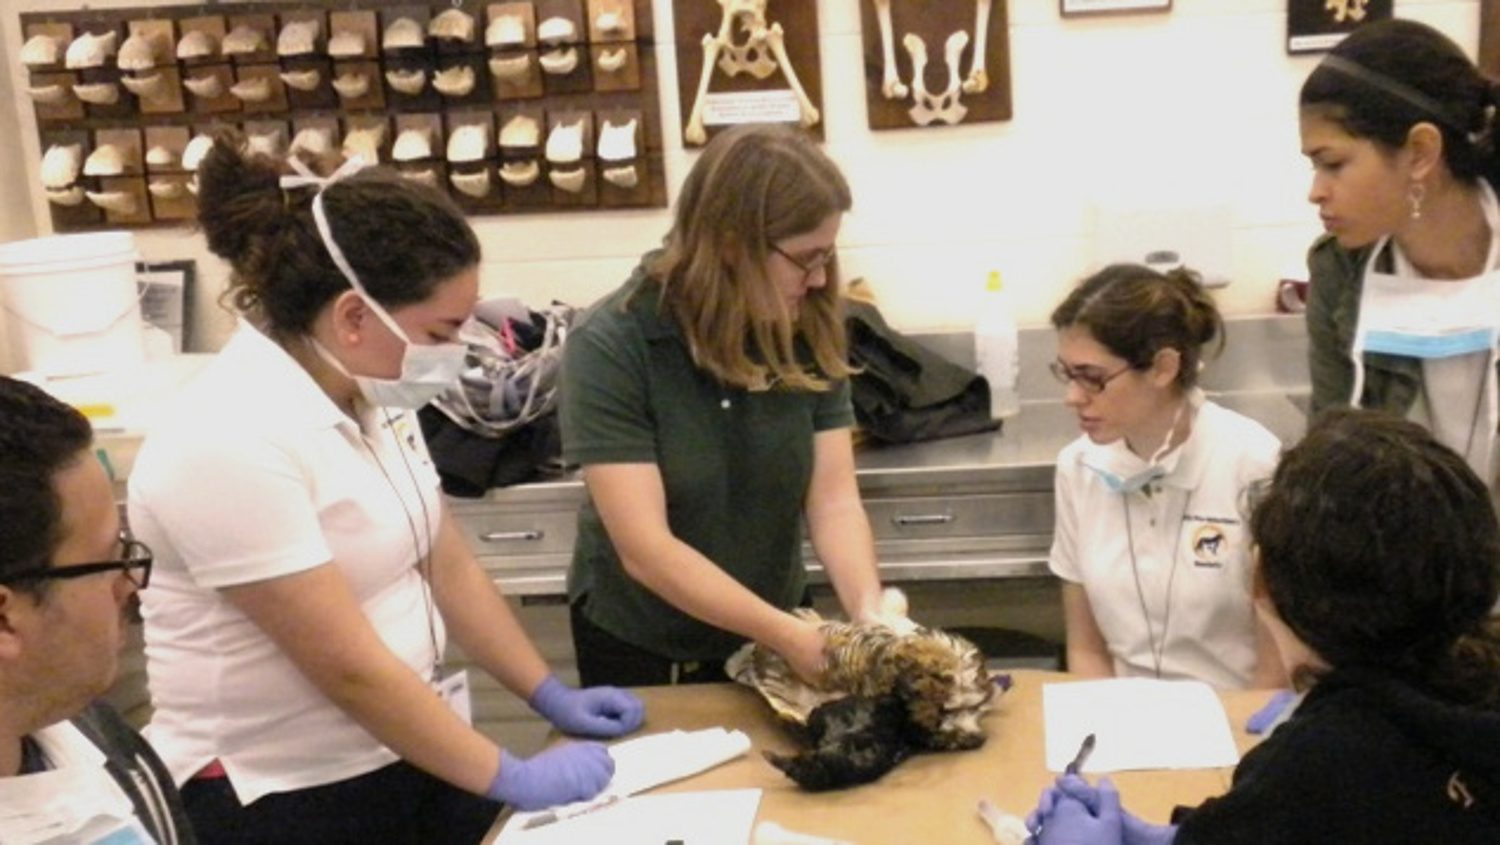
707, 400
1150, 540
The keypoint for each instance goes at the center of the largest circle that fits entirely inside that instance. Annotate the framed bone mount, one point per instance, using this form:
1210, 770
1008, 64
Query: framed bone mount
935, 62
349, 76
1318, 25
747, 61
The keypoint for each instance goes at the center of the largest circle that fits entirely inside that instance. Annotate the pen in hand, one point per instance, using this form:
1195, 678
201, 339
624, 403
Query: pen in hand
1084, 750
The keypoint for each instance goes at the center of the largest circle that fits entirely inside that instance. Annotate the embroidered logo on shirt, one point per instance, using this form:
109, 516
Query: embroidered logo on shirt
1208, 544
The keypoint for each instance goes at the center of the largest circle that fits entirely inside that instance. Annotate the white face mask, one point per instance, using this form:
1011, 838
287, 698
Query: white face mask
426, 369
1113, 476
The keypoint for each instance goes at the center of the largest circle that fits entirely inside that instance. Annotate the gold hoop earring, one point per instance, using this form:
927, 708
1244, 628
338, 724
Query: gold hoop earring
1414, 196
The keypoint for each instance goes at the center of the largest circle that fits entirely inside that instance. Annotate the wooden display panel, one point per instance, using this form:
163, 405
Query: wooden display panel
895, 99
169, 116
745, 97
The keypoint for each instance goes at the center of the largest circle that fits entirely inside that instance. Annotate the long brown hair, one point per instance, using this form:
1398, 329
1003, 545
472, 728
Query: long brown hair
754, 185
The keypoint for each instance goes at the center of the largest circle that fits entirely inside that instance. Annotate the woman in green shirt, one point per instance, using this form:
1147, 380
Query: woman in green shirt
707, 400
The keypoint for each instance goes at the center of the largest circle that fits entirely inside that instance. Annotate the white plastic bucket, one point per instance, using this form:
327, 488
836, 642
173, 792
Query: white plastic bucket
71, 302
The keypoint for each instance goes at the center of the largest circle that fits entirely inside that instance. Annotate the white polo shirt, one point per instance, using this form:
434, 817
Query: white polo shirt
1193, 520
255, 474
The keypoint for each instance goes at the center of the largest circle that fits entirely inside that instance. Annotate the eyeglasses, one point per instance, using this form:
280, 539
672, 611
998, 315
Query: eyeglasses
817, 261
135, 561
1090, 382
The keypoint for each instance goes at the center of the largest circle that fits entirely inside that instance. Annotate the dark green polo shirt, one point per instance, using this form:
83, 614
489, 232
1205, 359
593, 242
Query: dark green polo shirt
735, 465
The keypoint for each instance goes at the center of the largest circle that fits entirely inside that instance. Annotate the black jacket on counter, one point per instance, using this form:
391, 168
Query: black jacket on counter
904, 393
1366, 758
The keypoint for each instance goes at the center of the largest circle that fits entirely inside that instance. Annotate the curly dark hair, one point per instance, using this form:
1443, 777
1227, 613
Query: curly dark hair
402, 239
1379, 548
39, 437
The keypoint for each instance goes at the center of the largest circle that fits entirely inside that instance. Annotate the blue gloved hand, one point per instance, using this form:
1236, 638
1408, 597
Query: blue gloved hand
1073, 786
595, 711
560, 775
1072, 822
1136, 831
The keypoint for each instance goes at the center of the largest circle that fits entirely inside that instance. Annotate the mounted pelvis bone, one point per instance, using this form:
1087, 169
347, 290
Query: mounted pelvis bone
401, 34
610, 61
346, 44
256, 89
623, 177
414, 143
160, 156
469, 143
763, 51
475, 184
556, 30
945, 105
269, 144
313, 140
65, 196
422, 176
166, 189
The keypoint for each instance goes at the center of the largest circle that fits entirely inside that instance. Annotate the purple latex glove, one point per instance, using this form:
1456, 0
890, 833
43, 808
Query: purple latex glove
1072, 822
560, 775
594, 711
1136, 831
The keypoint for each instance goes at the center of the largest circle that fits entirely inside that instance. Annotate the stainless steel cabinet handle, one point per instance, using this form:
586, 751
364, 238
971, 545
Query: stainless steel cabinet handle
507, 536
923, 519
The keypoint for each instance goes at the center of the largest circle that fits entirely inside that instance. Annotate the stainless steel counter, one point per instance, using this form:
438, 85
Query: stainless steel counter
974, 507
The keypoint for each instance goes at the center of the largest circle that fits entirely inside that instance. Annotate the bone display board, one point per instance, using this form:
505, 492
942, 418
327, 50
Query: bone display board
747, 61
513, 106
963, 49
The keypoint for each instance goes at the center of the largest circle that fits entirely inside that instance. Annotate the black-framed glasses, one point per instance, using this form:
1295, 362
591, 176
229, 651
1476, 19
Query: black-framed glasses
135, 561
1090, 382
817, 261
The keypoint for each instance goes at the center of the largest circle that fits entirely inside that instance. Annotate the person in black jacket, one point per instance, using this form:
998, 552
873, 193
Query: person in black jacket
1379, 567
70, 770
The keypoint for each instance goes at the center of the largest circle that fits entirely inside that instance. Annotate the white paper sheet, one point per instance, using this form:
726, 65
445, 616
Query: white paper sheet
720, 817
648, 761
1137, 723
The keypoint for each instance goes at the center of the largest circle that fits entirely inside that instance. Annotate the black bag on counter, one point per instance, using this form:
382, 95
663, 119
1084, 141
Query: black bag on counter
470, 464
903, 392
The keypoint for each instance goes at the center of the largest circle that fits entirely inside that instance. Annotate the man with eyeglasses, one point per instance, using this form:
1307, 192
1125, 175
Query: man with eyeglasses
71, 770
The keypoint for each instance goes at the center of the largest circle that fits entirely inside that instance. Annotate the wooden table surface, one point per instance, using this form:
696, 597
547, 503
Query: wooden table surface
929, 798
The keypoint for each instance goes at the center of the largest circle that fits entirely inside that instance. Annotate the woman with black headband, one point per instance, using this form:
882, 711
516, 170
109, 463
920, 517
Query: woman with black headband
1405, 296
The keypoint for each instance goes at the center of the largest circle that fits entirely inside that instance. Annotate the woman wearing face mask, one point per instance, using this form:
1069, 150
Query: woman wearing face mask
1150, 542
1405, 298
708, 402
308, 569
